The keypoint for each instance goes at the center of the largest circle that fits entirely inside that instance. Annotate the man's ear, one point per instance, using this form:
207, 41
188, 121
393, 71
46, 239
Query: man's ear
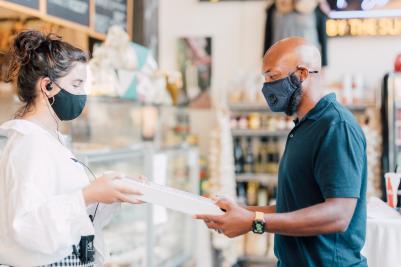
303, 73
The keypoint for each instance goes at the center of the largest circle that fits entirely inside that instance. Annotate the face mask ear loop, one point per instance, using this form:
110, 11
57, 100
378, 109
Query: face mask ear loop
48, 105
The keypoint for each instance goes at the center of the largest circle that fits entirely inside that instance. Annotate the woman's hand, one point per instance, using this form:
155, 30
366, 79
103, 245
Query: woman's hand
104, 190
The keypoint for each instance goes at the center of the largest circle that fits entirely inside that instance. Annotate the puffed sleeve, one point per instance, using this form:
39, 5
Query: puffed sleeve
40, 220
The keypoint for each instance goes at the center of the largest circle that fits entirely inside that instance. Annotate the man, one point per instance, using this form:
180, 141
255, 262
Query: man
320, 215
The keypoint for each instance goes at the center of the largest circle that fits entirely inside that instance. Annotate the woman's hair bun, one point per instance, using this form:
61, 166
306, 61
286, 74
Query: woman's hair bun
26, 43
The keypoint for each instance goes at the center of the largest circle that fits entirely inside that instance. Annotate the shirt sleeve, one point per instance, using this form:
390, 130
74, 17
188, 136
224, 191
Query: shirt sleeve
340, 162
40, 220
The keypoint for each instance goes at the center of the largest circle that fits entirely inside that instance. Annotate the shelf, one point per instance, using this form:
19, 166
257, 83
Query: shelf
178, 260
358, 107
249, 107
262, 178
258, 260
109, 153
247, 132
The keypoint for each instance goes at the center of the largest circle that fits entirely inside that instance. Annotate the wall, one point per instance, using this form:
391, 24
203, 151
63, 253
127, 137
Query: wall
370, 56
237, 29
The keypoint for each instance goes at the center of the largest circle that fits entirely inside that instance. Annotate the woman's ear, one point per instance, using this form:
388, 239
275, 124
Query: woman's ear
46, 86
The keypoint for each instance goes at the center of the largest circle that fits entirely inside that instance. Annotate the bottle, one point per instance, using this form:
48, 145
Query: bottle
252, 193
270, 156
258, 161
276, 155
254, 121
238, 156
249, 159
262, 196
241, 193
262, 156
243, 122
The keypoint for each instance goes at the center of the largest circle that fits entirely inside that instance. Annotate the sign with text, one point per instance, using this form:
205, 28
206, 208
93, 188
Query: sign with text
72, 10
27, 3
110, 13
363, 27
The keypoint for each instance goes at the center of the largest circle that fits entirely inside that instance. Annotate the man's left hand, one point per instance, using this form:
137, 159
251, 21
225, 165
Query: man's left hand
236, 220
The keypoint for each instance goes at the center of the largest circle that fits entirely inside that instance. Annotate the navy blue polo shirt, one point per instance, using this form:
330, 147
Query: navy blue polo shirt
325, 157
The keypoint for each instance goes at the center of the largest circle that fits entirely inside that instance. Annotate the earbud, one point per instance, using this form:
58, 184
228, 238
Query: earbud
49, 86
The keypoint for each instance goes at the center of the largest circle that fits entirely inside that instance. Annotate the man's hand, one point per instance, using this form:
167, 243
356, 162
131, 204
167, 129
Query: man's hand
236, 220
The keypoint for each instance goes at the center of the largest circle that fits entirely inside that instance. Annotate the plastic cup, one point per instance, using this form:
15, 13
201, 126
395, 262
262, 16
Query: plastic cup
392, 183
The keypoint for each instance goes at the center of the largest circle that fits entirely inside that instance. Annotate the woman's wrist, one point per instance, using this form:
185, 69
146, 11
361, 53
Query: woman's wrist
88, 197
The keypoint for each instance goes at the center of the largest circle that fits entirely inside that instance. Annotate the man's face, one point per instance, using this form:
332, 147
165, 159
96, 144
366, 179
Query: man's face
279, 69
276, 68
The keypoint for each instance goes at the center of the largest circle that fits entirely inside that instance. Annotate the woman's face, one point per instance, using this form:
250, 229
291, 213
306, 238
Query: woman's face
75, 81
67, 105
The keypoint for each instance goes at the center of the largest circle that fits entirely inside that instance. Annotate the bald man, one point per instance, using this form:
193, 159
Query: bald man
320, 216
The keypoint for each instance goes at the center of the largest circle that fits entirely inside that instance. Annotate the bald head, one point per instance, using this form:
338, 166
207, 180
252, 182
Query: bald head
286, 55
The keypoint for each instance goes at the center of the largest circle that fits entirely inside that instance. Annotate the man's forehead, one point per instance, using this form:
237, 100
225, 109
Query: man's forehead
278, 63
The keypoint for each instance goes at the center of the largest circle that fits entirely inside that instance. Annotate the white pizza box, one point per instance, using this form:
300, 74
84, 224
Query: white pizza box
171, 198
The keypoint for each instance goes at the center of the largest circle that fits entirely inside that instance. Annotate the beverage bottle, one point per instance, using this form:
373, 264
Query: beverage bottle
249, 158
238, 156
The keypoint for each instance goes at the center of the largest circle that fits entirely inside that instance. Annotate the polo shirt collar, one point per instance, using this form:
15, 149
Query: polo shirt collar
318, 110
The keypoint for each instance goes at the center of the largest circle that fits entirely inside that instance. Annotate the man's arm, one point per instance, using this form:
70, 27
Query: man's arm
264, 209
334, 215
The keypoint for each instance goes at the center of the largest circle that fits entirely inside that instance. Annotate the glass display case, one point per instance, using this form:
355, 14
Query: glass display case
146, 235
110, 135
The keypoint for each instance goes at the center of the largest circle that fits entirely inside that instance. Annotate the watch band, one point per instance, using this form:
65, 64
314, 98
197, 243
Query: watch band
259, 216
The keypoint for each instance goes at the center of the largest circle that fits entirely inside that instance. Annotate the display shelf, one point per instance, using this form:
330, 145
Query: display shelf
359, 107
109, 153
268, 133
258, 260
249, 107
262, 178
177, 261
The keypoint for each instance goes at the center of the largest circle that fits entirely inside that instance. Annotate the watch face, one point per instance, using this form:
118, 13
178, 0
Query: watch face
258, 227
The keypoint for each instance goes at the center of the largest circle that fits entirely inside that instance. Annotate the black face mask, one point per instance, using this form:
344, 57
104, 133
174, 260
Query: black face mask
68, 106
283, 95
296, 96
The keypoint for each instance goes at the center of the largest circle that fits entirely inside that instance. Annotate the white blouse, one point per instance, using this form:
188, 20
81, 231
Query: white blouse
42, 209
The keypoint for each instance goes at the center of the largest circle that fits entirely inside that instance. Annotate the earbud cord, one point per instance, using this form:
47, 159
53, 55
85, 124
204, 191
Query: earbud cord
55, 119
94, 177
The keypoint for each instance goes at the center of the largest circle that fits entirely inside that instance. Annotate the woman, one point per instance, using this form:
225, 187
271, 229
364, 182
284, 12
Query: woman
44, 190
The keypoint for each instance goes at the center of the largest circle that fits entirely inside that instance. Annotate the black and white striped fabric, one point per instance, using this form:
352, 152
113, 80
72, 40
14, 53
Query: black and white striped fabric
71, 260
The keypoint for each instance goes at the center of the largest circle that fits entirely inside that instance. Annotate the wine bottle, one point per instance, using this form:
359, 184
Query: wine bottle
249, 159
238, 156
